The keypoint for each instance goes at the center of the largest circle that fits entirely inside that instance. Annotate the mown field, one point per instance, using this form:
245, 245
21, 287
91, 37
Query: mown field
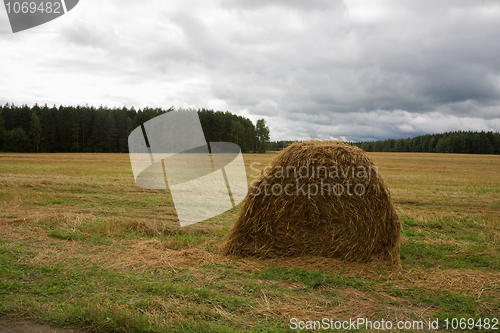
81, 245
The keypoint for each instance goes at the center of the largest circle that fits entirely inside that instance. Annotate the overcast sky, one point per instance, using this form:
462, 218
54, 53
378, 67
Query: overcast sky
352, 69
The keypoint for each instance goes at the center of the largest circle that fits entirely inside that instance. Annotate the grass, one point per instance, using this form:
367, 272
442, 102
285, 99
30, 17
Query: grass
310, 278
81, 244
64, 235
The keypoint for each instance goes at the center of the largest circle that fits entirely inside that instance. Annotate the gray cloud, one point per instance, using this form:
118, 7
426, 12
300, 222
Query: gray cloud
360, 70
295, 4
83, 33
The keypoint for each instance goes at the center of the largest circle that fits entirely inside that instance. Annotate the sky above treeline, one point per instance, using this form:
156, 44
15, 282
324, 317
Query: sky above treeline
357, 70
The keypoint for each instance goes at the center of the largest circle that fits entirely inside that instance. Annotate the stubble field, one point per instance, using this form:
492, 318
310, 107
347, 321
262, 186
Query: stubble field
82, 245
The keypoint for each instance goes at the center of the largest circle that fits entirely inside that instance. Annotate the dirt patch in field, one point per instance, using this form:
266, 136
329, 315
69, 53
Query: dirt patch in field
8, 325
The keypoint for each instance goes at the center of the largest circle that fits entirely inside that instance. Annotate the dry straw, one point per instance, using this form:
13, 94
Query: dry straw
354, 227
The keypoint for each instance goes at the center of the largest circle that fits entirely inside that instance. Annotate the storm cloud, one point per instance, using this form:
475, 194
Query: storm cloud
358, 70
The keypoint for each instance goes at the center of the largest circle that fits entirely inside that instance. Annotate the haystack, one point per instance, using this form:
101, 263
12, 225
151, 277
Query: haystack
322, 198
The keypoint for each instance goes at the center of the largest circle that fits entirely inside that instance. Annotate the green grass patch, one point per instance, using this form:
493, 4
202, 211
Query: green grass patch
447, 255
58, 234
451, 304
182, 241
108, 300
311, 279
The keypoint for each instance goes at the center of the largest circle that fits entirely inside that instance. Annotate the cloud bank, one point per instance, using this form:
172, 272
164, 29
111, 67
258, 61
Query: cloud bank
358, 69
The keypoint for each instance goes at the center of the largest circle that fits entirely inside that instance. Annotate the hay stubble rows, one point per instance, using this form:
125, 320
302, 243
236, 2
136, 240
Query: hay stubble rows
81, 244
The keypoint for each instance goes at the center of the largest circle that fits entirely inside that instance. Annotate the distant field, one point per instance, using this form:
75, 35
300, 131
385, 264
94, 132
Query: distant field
81, 244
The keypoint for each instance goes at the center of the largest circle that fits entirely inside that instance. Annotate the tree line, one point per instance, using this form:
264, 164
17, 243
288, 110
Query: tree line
280, 145
459, 142
106, 130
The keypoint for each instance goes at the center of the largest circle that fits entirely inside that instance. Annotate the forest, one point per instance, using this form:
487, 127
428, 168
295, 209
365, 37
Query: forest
105, 130
459, 142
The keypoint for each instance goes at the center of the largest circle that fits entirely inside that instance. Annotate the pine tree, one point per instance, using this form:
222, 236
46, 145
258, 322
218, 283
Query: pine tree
2, 130
251, 136
442, 146
238, 135
399, 145
35, 133
111, 134
262, 135
497, 143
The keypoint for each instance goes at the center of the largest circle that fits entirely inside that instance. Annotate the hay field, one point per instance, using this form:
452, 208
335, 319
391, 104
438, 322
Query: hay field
81, 244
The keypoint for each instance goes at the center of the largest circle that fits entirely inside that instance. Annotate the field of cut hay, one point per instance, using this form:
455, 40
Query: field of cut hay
82, 245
